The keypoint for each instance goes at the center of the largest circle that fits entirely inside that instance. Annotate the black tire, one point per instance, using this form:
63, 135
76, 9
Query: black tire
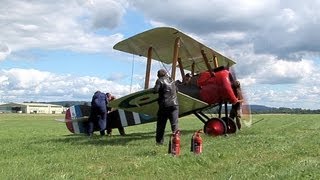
230, 124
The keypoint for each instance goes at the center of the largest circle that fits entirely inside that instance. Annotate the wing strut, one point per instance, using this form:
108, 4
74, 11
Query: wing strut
148, 68
215, 61
207, 62
192, 68
175, 57
181, 68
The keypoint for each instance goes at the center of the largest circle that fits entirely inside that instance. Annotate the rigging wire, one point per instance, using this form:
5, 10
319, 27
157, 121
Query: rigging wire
132, 64
160, 61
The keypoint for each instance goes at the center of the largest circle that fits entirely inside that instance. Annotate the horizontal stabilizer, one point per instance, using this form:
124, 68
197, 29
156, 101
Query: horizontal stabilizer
81, 119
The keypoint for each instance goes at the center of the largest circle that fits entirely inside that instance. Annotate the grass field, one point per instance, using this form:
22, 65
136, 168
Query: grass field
278, 147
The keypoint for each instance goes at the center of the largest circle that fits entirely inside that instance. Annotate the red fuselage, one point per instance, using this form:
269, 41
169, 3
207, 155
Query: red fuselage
217, 88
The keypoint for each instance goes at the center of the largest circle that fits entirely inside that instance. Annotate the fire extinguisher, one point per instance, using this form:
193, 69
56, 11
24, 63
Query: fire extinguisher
174, 144
196, 142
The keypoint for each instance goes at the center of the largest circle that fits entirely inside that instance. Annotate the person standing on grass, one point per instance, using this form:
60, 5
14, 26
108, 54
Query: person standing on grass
168, 104
98, 113
113, 120
235, 112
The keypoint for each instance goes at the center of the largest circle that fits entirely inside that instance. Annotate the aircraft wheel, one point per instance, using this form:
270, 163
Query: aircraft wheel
230, 124
215, 127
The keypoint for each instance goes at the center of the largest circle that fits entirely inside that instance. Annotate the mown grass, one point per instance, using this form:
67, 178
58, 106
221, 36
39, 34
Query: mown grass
278, 147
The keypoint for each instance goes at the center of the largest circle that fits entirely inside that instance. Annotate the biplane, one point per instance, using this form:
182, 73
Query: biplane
210, 85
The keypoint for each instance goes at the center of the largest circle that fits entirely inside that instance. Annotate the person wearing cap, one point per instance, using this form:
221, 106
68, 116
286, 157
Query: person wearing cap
187, 79
168, 104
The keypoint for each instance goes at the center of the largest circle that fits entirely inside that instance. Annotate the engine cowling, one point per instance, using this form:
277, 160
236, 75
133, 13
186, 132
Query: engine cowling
217, 88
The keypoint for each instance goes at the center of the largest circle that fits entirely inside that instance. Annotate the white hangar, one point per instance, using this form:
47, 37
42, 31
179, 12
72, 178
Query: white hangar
31, 108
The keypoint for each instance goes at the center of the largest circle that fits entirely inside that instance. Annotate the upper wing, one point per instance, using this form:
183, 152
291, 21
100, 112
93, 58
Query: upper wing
162, 41
145, 102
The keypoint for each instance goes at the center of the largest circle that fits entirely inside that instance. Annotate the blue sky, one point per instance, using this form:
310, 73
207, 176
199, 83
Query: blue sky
63, 50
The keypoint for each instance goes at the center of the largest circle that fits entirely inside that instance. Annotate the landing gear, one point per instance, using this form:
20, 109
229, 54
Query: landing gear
217, 126
230, 124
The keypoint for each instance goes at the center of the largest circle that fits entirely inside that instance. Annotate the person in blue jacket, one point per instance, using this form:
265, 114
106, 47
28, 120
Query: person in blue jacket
98, 113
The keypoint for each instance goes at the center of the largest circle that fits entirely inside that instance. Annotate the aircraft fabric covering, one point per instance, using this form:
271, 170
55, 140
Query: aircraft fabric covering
217, 88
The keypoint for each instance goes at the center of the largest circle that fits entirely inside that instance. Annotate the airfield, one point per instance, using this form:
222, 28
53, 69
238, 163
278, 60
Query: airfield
35, 146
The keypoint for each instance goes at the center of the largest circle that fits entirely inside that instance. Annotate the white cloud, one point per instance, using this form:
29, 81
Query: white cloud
296, 96
285, 29
4, 51
106, 13
289, 19
67, 25
284, 72
20, 85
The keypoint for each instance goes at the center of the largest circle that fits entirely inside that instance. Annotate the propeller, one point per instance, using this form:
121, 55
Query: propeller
245, 108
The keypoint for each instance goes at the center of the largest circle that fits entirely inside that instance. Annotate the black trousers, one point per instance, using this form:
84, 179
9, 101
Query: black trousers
165, 113
236, 114
99, 121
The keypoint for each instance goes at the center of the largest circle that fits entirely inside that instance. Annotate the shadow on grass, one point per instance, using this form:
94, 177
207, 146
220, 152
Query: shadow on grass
114, 140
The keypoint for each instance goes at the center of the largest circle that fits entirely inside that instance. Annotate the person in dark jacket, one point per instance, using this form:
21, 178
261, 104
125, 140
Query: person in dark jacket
168, 104
235, 112
98, 113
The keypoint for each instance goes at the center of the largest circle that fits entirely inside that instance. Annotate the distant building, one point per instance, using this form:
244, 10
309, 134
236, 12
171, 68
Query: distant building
31, 108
